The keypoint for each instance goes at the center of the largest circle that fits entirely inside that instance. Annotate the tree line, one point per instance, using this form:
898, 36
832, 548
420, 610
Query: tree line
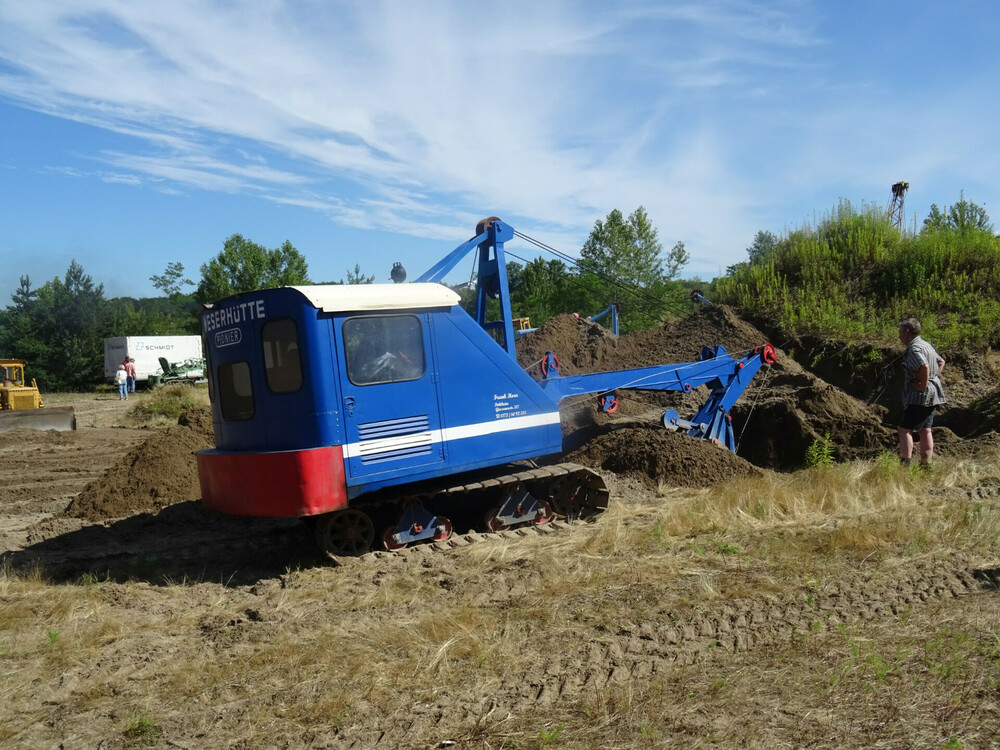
59, 327
852, 276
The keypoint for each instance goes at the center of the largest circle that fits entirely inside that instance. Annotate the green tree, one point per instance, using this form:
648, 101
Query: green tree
151, 316
961, 217
24, 294
542, 289
353, 277
677, 258
171, 280
627, 250
764, 243
621, 262
356, 277
58, 329
244, 266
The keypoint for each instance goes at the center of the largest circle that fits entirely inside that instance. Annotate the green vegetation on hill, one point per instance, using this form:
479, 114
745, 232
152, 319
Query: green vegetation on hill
854, 276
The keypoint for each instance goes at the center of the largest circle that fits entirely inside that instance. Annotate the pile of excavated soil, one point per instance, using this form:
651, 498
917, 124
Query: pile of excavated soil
160, 471
579, 345
656, 455
584, 347
783, 411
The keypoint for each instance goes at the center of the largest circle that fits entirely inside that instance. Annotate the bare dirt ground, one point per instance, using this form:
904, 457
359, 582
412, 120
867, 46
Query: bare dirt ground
718, 602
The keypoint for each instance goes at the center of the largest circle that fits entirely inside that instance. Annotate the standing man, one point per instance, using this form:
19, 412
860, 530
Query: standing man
130, 372
922, 392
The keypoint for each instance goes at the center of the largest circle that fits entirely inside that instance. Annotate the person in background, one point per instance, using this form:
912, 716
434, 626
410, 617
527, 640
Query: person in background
121, 380
923, 392
130, 373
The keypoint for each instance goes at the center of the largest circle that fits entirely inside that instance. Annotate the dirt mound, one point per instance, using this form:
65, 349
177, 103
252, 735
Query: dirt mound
580, 346
657, 455
584, 347
682, 340
161, 471
784, 417
198, 419
783, 411
947, 443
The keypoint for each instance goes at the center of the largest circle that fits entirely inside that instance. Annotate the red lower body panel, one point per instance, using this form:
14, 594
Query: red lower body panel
280, 483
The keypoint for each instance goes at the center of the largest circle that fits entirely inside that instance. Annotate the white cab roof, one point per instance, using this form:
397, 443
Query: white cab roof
362, 297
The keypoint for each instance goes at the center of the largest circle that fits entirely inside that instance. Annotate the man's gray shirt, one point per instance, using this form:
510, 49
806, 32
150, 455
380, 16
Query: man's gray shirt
918, 354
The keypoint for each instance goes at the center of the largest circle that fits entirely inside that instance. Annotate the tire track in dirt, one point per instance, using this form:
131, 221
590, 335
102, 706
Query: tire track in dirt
62, 469
640, 652
985, 492
643, 651
41, 472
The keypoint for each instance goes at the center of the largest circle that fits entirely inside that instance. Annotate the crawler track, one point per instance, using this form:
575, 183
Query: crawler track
573, 491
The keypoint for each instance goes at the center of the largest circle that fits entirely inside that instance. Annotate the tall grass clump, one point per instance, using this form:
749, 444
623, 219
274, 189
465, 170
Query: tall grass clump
854, 275
168, 402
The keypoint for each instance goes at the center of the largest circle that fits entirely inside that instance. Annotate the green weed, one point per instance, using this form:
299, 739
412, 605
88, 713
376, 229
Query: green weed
819, 452
143, 732
549, 736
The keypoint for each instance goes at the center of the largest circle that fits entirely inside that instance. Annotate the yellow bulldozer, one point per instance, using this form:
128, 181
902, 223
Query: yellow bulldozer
21, 405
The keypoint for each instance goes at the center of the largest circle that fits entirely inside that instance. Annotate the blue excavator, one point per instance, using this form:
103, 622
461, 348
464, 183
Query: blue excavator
384, 414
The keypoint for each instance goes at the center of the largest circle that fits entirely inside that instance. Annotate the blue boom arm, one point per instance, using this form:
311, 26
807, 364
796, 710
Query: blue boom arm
726, 377
491, 277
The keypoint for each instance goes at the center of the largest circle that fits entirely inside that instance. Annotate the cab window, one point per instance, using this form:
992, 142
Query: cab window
236, 391
282, 365
383, 349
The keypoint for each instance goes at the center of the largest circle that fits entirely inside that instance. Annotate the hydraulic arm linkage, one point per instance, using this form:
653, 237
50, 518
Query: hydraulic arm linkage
726, 377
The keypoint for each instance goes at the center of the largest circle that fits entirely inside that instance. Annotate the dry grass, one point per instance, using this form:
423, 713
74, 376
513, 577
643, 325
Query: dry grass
453, 647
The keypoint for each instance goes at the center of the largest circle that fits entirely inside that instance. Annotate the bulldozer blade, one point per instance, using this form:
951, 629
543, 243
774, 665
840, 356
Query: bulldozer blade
61, 418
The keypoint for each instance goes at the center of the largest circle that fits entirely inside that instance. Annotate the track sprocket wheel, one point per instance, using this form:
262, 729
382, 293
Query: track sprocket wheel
344, 533
580, 495
546, 515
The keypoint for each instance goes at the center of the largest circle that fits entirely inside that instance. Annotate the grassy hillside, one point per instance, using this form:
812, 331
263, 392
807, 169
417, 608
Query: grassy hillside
854, 276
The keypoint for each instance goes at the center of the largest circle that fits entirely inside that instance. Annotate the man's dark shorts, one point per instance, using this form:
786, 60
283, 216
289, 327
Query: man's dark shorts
916, 418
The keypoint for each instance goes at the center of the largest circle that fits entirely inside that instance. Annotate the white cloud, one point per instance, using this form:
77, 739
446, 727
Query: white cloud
414, 118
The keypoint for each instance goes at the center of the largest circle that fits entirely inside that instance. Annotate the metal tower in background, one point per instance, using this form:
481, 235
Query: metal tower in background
896, 204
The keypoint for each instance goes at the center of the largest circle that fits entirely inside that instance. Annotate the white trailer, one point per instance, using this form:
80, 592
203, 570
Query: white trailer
147, 350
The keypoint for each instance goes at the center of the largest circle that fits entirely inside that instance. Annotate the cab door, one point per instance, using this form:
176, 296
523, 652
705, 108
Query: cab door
392, 415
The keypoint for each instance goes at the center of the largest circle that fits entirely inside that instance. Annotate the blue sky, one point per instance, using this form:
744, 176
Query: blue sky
135, 133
